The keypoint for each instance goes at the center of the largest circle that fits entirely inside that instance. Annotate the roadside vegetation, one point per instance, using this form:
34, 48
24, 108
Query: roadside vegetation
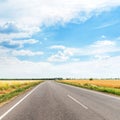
12, 88
107, 86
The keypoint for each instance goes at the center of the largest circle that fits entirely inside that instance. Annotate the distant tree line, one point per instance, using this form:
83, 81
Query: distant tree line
31, 79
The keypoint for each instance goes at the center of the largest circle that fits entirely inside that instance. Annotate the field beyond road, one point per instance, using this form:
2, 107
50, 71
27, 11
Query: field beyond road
12, 88
108, 86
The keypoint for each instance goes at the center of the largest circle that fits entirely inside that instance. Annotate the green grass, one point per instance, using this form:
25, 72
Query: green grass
17, 91
109, 90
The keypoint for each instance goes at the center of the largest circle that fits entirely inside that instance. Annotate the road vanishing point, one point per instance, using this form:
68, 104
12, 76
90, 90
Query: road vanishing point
55, 101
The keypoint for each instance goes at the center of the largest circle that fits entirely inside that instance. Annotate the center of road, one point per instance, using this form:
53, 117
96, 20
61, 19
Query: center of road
77, 102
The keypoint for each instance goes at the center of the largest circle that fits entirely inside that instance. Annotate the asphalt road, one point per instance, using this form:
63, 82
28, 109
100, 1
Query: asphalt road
56, 101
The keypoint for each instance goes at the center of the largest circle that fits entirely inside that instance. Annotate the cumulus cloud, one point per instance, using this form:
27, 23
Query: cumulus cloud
104, 47
38, 12
99, 50
4, 37
23, 18
8, 28
7, 52
100, 67
100, 47
59, 57
19, 43
25, 53
63, 54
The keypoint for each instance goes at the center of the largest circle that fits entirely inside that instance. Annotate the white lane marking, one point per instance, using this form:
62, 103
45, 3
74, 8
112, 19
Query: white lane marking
77, 102
8, 111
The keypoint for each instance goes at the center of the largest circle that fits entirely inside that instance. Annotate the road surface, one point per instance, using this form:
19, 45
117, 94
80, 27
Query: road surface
56, 101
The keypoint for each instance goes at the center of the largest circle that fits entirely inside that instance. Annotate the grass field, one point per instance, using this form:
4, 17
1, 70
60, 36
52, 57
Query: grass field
108, 86
10, 89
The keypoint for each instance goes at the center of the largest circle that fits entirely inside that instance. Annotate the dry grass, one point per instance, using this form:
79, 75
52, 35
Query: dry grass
9, 86
103, 83
10, 89
107, 86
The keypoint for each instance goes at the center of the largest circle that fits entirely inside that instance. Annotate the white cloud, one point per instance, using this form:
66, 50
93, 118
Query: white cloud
104, 47
11, 31
102, 66
100, 47
19, 43
11, 53
98, 50
8, 28
8, 55
104, 43
34, 13
14, 68
25, 17
63, 54
59, 57
4, 51
25, 53
57, 47
3, 37
16, 28
101, 57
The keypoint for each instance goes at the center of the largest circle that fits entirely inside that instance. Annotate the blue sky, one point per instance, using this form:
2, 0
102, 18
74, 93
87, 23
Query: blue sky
78, 39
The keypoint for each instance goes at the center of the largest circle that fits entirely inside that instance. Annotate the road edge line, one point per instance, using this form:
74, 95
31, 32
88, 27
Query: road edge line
9, 110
